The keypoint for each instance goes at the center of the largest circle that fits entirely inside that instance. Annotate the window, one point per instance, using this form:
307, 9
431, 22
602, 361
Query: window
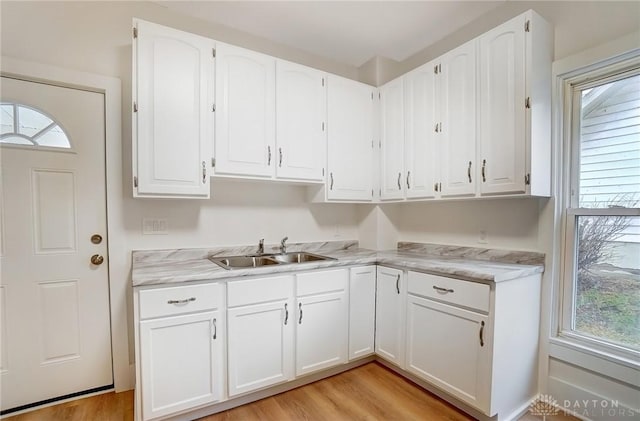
601, 304
26, 126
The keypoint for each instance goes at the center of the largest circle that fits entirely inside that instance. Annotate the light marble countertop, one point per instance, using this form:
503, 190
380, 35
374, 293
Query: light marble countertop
179, 266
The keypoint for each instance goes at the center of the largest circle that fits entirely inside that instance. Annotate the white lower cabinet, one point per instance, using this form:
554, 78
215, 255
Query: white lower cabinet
260, 335
180, 356
476, 342
362, 311
322, 320
447, 347
390, 315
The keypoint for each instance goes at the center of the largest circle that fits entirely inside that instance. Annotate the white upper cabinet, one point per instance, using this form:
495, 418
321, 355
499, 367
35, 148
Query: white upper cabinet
245, 112
515, 115
301, 113
456, 74
420, 147
502, 108
392, 179
172, 119
350, 140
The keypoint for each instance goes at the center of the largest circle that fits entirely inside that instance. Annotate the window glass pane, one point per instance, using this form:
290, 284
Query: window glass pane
6, 118
55, 138
610, 145
16, 140
31, 122
34, 128
607, 300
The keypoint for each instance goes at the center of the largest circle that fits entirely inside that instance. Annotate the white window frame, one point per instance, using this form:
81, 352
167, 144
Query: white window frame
597, 74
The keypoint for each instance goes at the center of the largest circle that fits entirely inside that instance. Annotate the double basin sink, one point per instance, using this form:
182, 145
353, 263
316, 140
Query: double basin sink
243, 262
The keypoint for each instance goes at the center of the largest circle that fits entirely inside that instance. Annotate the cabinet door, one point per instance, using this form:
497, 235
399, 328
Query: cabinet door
173, 125
449, 347
421, 152
392, 180
350, 140
457, 79
245, 112
301, 109
181, 362
502, 108
321, 336
260, 344
390, 315
362, 311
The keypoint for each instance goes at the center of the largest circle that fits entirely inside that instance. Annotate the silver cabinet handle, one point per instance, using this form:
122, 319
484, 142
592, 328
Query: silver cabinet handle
399, 177
398, 284
185, 301
300, 308
268, 156
435, 186
204, 172
280, 151
286, 314
484, 164
481, 333
215, 329
408, 175
436, 129
469, 172
443, 290
331, 185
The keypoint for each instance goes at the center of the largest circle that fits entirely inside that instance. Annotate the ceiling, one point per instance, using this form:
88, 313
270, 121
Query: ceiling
349, 32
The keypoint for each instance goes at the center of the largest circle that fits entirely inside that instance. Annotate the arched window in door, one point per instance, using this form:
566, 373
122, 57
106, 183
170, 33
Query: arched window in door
26, 126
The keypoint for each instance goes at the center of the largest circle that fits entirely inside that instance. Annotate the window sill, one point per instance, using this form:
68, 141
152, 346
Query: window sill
580, 352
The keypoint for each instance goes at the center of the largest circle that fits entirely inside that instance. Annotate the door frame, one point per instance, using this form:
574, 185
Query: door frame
118, 272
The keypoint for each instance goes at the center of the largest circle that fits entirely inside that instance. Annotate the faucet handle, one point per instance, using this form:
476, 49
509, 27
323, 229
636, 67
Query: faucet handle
261, 242
284, 240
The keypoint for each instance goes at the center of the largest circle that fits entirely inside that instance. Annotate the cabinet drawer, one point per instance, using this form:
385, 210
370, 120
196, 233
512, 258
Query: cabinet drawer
454, 291
177, 300
321, 282
259, 290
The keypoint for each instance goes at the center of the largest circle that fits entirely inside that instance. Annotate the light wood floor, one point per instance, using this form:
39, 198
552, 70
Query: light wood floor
370, 392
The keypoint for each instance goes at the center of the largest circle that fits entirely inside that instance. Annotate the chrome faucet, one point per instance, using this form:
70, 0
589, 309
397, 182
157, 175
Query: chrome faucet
283, 245
261, 247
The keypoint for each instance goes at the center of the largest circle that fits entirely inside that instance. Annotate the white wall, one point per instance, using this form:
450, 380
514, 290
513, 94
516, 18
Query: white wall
96, 37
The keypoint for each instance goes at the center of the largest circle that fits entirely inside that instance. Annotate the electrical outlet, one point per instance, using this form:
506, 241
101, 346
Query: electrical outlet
154, 226
482, 238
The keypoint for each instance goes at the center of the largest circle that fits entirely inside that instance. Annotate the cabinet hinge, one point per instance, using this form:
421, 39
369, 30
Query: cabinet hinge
213, 108
322, 81
323, 126
213, 162
213, 52
527, 26
371, 192
323, 172
135, 107
135, 181
372, 143
527, 102
371, 96
380, 143
527, 179
135, 32
379, 95
435, 69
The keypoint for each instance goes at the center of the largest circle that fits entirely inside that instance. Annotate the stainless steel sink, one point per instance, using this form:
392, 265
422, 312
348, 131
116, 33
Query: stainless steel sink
242, 262
299, 257
237, 262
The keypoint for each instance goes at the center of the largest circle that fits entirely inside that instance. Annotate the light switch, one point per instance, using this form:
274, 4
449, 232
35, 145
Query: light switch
154, 226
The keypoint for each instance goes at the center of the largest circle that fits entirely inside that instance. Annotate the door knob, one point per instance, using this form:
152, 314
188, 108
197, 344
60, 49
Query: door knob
96, 259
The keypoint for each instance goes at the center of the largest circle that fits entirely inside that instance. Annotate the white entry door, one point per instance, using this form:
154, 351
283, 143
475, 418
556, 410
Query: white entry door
54, 293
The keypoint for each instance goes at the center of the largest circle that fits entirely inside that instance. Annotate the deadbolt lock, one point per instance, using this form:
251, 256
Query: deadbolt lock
96, 239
